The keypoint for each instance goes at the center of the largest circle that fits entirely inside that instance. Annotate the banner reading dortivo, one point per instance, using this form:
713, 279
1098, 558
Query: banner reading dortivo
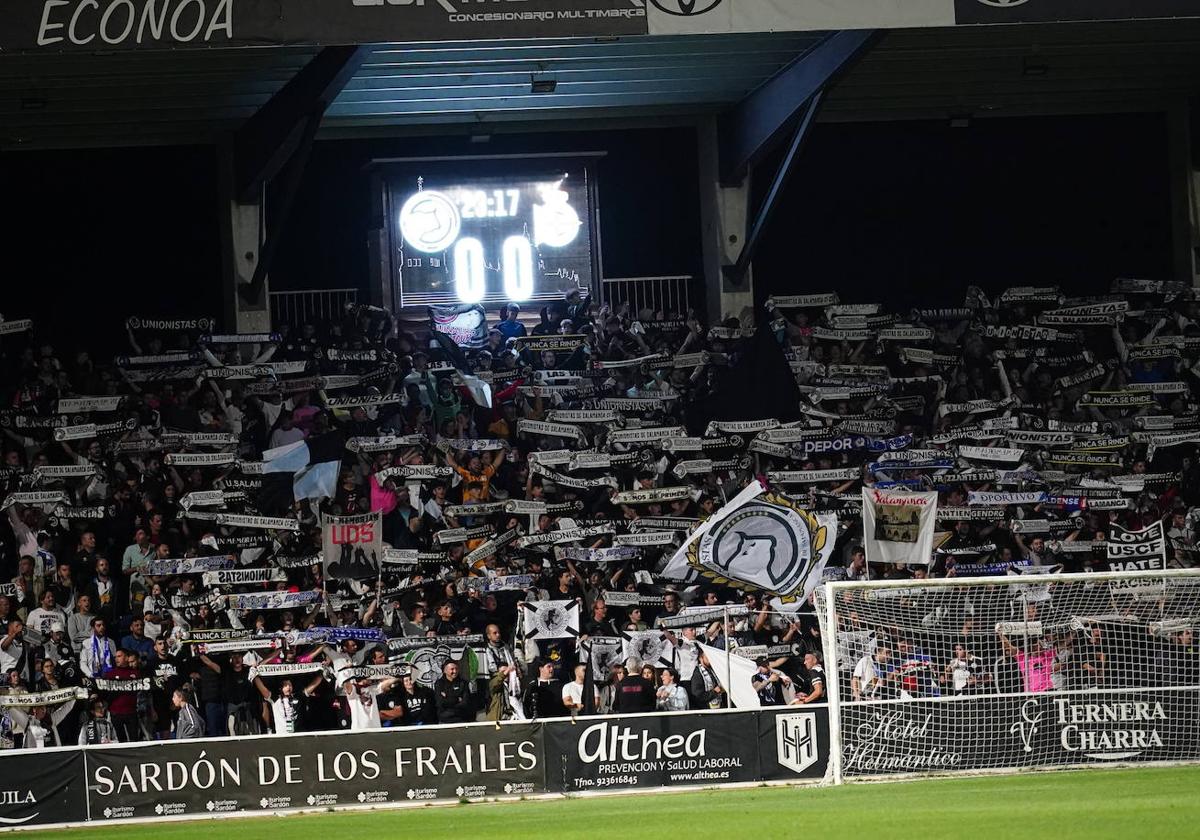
898, 527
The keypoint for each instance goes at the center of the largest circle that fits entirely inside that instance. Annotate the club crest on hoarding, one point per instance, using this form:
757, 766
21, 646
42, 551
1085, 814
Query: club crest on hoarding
796, 742
770, 544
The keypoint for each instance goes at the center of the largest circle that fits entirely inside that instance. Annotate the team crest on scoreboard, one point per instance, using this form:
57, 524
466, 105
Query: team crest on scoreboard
770, 544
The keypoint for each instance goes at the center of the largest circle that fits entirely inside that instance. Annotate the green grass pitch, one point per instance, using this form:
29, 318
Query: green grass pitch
1158, 803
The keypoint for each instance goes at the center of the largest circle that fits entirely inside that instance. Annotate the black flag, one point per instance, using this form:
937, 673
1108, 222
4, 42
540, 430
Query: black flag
758, 385
589, 681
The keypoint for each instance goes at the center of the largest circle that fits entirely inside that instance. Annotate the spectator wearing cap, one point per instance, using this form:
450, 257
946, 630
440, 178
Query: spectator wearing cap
57, 649
768, 683
544, 694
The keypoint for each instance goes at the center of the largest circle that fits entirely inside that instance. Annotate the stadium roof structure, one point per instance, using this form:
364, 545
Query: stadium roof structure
157, 97
264, 79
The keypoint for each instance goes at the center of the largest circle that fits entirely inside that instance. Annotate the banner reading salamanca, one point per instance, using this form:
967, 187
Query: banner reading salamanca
898, 527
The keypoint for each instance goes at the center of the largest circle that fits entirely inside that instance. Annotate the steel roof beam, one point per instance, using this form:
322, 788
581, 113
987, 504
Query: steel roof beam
268, 139
748, 130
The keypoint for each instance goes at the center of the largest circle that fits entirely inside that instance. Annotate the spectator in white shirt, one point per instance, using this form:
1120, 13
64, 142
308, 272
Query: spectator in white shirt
46, 614
572, 692
870, 673
286, 432
98, 653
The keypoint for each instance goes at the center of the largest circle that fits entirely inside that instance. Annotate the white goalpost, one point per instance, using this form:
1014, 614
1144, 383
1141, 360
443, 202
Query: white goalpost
1030, 671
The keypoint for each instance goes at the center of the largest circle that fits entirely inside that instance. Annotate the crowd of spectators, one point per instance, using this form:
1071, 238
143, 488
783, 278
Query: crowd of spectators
508, 462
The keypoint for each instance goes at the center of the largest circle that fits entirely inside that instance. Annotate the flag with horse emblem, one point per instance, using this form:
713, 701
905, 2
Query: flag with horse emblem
760, 542
646, 646
551, 619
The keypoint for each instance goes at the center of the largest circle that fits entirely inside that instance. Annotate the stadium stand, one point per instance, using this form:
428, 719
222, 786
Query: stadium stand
518, 505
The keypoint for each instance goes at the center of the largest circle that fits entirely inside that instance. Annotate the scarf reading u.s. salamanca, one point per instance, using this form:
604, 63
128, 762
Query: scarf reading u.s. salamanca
646, 434
803, 301
541, 427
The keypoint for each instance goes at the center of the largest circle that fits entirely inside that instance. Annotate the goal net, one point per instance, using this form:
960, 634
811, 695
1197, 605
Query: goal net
1031, 671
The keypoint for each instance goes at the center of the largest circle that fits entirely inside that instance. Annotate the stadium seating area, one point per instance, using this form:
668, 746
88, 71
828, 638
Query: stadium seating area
162, 546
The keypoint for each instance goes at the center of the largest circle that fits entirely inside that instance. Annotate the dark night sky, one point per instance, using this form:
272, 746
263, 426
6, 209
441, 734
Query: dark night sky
898, 212
893, 212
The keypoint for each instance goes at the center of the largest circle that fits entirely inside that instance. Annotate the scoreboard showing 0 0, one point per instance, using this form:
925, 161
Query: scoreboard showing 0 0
491, 239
